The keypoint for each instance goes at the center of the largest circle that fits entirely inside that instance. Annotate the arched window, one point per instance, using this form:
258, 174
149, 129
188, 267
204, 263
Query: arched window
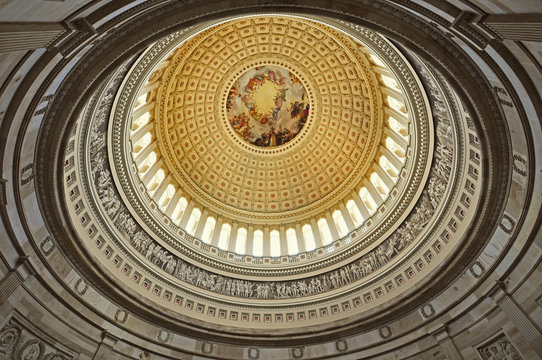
325, 233
379, 184
370, 204
179, 209
141, 120
147, 163
141, 100
396, 105
156, 180
375, 59
224, 237
394, 148
193, 221
166, 196
389, 82
241, 241
257, 248
208, 230
354, 212
291, 239
388, 167
143, 142
338, 219
274, 238
308, 237
397, 127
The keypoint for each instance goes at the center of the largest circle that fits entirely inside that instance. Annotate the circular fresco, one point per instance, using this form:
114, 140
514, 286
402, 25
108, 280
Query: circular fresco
267, 106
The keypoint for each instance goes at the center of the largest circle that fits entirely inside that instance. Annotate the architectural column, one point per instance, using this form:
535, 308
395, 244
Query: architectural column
301, 247
105, 348
17, 36
149, 174
516, 315
399, 140
141, 131
157, 194
347, 217
518, 27
173, 203
397, 95
186, 215
218, 230
400, 117
316, 234
392, 158
361, 206
233, 237
201, 224
283, 241
373, 192
148, 87
386, 178
332, 227
266, 242
249, 243
143, 154
447, 344
383, 71
14, 278
140, 111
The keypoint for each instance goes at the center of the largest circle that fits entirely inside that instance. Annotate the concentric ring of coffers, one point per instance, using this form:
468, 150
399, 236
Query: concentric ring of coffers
376, 188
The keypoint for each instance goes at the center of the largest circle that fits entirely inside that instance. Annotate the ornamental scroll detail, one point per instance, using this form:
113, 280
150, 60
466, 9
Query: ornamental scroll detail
420, 216
17, 342
500, 348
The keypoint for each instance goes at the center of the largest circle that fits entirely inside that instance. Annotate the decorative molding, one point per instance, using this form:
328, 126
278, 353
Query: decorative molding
81, 287
207, 348
15, 277
121, 316
253, 353
18, 342
447, 344
385, 332
507, 224
341, 345
3, 193
163, 336
517, 27
105, 347
168, 232
47, 245
427, 311
297, 353
27, 174
18, 36
498, 347
477, 269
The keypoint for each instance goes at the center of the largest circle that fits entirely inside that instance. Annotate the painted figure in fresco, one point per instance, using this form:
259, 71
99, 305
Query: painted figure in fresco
266, 106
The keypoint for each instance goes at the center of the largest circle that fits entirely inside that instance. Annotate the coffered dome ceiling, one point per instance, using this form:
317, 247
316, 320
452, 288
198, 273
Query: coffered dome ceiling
268, 178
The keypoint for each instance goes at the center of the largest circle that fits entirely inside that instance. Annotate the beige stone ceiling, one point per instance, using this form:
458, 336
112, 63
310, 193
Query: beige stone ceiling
324, 163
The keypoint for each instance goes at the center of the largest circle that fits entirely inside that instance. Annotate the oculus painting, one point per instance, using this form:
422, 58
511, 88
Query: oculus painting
267, 106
